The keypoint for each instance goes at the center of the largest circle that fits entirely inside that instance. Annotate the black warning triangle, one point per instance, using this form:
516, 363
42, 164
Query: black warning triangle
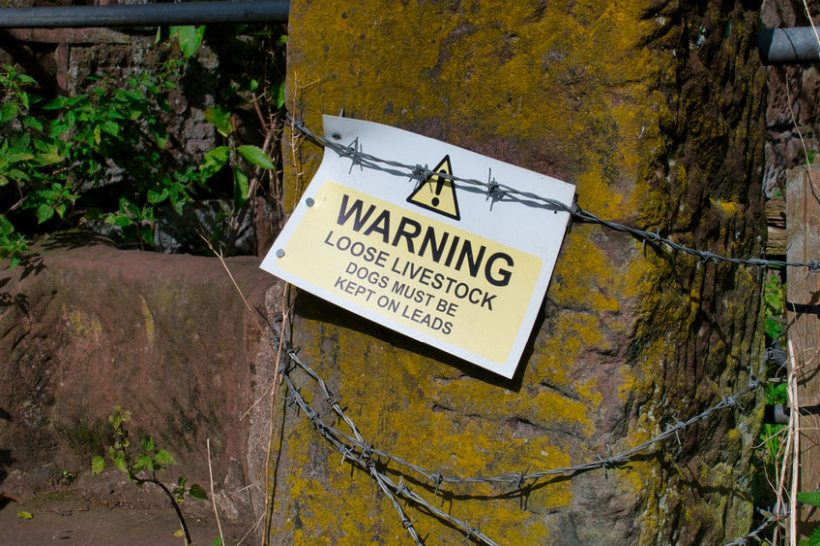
437, 193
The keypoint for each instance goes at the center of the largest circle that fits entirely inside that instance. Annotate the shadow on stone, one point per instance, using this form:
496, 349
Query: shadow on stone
312, 307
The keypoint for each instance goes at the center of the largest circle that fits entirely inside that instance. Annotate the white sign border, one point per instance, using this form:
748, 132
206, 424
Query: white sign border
525, 231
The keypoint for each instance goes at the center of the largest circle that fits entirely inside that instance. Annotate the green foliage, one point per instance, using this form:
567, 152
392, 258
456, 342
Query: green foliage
220, 119
255, 156
142, 463
12, 244
189, 38
774, 305
22, 514
53, 151
280, 95
809, 497
56, 153
813, 540
221, 156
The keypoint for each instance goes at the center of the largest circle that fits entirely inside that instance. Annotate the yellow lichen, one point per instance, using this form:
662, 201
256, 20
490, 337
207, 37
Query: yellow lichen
568, 87
148, 321
81, 324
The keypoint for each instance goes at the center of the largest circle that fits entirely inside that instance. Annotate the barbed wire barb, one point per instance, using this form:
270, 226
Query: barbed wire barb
361, 453
499, 191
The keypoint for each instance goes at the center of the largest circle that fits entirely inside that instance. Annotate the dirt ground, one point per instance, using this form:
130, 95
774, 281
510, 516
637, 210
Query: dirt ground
70, 517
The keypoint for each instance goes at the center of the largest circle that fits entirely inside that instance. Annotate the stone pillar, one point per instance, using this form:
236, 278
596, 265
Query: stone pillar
653, 110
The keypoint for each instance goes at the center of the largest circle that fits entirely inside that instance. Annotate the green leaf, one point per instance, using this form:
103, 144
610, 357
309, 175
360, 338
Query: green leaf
22, 514
178, 201
773, 327
240, 188
813, 540
147, 443
163, 457
147, 235
118, 219
144, 462
189, 38
220, 119
30, 122
44, 213
16, 157
111, 128
155, 196
119, 462
217, 542
214, 160
809, 497
17, 174
6, 227
8, 112
198, 492
56, 104
57, 128
49, 159
179, 533
97, 464
280, 95
255, 156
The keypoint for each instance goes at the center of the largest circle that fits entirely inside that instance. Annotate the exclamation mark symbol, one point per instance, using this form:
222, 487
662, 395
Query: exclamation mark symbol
437, 190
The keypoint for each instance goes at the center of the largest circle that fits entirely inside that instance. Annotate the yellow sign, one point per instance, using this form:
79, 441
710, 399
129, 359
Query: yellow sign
437, 193
454, 265
426, 278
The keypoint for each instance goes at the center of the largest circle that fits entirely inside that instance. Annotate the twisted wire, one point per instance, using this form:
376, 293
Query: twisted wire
498, 191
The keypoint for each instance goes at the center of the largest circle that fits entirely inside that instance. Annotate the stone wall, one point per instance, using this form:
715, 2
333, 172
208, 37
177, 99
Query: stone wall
84, 328
655, 112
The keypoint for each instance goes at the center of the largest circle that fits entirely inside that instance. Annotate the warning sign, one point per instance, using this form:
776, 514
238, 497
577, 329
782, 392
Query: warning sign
467, 280
438, 193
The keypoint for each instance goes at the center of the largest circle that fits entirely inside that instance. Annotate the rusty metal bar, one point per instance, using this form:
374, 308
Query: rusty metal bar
788, 46
135, 15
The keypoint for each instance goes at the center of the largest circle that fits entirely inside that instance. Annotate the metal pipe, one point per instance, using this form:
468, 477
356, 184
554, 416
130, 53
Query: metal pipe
788, 46
135, 15
779, 413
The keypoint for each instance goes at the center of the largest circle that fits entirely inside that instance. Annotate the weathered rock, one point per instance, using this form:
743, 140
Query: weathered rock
167, 337
654, 111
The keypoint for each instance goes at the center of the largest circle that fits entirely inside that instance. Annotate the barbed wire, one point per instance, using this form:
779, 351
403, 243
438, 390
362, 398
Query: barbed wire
355, 449
770, 520
498, 191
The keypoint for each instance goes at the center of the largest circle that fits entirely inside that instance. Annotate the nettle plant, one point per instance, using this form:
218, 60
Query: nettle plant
58, 158
142, 462
54, 151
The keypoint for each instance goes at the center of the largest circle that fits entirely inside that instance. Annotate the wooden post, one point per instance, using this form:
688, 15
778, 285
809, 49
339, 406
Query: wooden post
776, 227
803, 305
